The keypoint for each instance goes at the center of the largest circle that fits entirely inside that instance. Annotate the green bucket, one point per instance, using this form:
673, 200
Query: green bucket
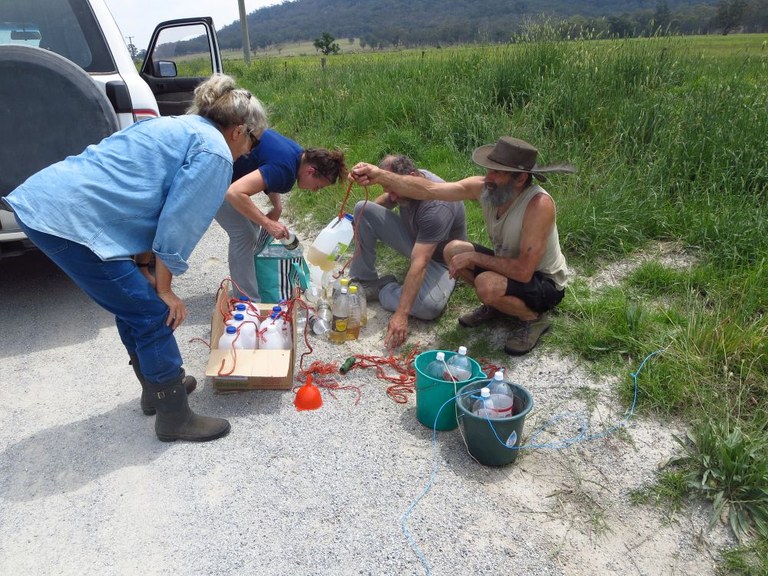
431, 393
495, 441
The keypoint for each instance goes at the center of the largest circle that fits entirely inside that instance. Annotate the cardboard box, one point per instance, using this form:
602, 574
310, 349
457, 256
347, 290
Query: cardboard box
247, 369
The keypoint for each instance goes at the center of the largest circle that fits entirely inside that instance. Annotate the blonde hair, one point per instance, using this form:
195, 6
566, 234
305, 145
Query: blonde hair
220, 100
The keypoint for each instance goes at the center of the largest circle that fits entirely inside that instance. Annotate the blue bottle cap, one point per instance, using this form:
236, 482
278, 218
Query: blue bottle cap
231, 330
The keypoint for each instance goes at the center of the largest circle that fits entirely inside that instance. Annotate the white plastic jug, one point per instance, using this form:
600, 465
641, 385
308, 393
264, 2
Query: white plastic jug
331, 243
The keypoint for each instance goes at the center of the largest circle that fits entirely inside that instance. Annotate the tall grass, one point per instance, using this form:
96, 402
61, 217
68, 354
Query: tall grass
670, 141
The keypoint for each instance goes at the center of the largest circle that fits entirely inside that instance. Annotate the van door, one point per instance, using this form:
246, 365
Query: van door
181, 54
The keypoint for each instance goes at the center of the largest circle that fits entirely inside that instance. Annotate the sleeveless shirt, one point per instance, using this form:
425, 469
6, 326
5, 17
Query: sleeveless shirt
504, 233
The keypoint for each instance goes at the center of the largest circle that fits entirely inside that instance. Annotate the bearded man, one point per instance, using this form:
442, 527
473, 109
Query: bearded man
524, 275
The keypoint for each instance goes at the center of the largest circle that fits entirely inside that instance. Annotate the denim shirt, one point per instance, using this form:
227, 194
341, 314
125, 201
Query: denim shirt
154, 185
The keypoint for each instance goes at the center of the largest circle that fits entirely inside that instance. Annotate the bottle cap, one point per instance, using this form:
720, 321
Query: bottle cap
485, 393
462, 350
440, 356
244, 299
276, 309
239, 317
344, 281
240, 307
349, 217
231, 330
343, 289
353, 289
499, 375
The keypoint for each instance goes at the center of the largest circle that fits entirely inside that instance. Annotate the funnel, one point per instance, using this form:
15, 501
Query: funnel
308, 396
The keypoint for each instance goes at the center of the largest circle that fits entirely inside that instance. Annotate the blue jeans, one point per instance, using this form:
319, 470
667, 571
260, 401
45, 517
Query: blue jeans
119, 287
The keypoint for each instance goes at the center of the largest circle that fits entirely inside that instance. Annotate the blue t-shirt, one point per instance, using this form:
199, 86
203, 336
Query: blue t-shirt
276, 157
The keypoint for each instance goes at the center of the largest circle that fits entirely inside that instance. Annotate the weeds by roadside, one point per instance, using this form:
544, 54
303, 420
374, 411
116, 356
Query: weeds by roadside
670, 145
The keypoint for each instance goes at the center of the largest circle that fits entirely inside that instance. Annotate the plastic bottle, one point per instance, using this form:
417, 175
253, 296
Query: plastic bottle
336, 287
340, 309
227, 339
320, 322
319, 326
331, 243
271, 338
283, 327
363, 304
435, 368
459, 367
247, 331
502, 396
483, 406
291, 242
248, 311
353, 324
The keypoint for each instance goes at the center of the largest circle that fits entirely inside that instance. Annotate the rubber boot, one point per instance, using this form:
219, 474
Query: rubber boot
146, 397
175, 420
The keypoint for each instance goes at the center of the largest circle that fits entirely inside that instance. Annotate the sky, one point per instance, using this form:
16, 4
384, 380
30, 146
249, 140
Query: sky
138, 18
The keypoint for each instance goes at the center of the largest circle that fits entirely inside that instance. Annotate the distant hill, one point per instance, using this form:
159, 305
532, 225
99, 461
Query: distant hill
384, 23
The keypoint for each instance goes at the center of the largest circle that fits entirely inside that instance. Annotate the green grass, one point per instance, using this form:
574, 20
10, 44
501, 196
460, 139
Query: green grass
669, 138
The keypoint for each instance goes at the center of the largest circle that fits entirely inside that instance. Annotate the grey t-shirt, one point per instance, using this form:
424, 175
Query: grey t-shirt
434, 221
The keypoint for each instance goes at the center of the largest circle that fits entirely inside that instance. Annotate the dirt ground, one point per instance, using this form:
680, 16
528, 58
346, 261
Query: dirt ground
351, 488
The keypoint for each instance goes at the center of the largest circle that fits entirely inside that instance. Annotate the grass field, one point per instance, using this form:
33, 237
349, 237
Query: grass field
669, 135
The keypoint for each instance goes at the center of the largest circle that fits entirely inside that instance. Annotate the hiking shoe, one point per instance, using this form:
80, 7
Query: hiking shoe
373, 287
479, 316
524, 339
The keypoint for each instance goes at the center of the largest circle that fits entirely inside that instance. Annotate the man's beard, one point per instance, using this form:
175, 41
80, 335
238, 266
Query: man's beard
497, 194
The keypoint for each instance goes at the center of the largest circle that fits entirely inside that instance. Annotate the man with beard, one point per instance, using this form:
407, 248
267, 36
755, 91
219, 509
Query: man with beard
420, 231
524, 275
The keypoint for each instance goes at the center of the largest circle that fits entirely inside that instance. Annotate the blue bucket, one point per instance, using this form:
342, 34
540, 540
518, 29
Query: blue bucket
431, 393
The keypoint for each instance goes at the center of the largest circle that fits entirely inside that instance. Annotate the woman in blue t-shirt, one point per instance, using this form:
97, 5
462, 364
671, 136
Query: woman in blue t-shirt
274, 165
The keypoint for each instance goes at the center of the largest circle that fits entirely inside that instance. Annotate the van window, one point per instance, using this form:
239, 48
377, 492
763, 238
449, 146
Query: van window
67, 27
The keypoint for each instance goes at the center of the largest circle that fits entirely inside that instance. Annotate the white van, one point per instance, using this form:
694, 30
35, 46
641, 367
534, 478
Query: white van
67, 80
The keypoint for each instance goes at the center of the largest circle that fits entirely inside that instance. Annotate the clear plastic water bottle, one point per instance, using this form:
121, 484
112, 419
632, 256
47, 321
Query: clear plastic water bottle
320, 322
228, 340
483, 406
459, 368
247, 330
363, 303
502, 396
436, 368
353, 323
340, 309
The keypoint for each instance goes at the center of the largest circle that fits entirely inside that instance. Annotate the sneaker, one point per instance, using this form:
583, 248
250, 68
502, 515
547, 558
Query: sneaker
373, 287
479, 315
524, 339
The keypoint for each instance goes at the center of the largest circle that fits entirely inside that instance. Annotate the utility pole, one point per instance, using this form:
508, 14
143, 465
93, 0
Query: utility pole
244, 28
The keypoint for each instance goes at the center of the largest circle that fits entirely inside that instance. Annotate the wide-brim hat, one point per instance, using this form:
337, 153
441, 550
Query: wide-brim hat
515, 155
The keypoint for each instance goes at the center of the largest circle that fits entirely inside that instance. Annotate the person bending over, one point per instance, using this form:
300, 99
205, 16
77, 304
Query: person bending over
274, 165
152, 188
419, 230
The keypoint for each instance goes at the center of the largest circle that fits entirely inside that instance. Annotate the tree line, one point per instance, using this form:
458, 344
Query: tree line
412, 23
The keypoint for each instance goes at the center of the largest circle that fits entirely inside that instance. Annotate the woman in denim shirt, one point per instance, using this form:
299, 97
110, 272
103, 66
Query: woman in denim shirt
152, 188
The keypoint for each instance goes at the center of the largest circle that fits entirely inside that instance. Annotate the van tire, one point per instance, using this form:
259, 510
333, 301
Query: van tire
50, 109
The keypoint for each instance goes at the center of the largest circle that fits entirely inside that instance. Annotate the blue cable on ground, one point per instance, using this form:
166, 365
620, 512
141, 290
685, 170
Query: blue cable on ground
582, 437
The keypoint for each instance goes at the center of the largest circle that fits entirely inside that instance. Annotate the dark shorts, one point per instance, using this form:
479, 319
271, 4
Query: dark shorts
539, 294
